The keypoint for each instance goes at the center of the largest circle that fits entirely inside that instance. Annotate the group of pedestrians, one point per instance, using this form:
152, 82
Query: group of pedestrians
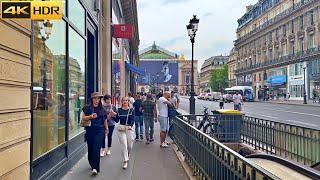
100, 117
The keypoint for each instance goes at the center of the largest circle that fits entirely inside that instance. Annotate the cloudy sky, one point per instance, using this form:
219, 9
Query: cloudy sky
164, 21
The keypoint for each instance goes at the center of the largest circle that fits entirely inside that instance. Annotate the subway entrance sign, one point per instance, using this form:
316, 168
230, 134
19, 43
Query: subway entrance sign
34, 10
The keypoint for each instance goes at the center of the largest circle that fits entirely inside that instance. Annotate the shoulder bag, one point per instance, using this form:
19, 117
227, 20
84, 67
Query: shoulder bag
121, 127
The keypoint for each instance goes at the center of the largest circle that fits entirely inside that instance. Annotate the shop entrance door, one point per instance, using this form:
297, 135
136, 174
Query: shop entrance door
92, 61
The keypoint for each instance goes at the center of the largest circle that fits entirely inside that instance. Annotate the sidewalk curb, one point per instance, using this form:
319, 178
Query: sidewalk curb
303, 105
183, 163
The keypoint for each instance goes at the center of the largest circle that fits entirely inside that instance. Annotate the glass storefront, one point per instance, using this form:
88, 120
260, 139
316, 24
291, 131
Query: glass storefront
76, 81
49, 82
52, 83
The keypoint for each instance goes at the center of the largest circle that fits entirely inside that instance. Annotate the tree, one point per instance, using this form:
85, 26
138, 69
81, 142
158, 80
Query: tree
219, 79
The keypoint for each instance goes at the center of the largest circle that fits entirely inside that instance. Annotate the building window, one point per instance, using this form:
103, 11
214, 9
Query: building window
292, 26
49, 82
311, 18
284, 30
76, 14
301, 22
76, 81
259, 77
311, 43
301, 45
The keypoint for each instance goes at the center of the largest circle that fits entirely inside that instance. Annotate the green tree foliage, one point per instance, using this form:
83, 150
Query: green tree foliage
219, 79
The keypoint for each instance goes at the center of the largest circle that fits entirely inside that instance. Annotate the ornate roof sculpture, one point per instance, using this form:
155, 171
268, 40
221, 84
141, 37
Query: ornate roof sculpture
156, 52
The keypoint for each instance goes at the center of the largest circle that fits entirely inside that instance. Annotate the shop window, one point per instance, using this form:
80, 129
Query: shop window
76, 81
76, 14
49, 82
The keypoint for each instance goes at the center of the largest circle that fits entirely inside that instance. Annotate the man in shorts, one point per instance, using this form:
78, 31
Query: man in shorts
163, 117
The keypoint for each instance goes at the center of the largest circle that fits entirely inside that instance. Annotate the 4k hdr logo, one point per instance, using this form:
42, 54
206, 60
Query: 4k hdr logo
35, 10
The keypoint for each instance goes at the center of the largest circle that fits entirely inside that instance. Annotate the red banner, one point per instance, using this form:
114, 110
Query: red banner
123, 31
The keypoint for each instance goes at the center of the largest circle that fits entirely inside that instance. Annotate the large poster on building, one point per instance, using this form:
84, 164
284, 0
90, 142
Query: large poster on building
159, 73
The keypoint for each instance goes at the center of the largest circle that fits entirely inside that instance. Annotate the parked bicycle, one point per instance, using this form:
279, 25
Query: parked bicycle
210, 125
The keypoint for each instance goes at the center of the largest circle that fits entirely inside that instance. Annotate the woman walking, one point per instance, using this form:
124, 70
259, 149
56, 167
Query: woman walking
94, 117
111, 111
125, 129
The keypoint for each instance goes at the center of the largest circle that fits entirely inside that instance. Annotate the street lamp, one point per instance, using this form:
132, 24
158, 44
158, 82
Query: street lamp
192, 28
304, 85
47, 26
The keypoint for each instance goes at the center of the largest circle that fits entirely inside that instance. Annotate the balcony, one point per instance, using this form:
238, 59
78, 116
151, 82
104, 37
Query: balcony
311, 29
308, 55
292, 37
274, 20
300, 34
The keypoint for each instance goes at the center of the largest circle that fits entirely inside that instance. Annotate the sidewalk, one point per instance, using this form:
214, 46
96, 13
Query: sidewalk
147, 162
294, 102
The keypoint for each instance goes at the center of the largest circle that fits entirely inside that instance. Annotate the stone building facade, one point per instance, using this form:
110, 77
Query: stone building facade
215, 62
48, 69
232, 67
276, 41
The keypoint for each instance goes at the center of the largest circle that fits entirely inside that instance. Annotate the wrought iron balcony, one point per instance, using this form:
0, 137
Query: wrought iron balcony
276, 19
301, 56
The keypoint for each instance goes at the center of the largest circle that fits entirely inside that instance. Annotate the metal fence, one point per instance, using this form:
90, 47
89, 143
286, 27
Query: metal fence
297, 143
209, 158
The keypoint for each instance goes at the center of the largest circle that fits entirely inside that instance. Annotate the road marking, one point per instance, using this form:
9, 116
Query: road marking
298, 122
301, 113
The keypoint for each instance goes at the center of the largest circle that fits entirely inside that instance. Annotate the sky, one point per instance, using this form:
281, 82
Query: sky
164, 21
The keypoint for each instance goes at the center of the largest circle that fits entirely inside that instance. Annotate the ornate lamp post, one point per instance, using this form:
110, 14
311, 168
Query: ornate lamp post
304, 84
192, 28
47, 26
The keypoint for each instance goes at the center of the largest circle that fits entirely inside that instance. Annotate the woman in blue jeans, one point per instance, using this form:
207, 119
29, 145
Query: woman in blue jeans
95, 117
111, 111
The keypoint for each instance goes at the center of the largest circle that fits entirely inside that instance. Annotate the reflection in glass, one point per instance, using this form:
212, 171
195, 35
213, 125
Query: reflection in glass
76, 81
77, 14
49, 82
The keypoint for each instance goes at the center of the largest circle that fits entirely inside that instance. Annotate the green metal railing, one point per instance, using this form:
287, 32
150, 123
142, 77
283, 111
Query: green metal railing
209, 158
293, 142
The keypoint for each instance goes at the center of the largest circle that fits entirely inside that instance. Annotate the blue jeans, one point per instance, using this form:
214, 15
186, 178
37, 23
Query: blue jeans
138, 121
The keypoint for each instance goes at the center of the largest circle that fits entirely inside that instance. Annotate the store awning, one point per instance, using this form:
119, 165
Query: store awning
135, 69
277, 80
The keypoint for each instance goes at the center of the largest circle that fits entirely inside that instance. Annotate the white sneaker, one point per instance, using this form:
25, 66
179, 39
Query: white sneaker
94, 172
164, 145
108, 152
125, 165
102, 153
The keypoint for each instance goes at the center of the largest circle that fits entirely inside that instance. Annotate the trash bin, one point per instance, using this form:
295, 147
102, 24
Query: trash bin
228, 126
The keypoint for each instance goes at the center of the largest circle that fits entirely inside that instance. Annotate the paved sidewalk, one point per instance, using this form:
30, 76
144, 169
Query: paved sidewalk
147, 162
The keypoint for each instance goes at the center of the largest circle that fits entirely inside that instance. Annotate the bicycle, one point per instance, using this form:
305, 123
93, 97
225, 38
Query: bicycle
210, 125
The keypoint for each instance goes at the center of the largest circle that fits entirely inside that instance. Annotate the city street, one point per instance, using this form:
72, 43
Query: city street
306, 116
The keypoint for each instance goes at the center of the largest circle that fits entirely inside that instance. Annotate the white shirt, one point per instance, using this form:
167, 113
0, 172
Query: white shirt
237, 98
131, 99
173, 101
163, 108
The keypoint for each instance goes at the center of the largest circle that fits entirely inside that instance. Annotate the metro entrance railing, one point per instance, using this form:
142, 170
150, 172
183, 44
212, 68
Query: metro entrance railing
211, 159
297, 143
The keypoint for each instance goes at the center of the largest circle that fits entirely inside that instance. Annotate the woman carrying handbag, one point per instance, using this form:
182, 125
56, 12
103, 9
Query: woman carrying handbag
125, 129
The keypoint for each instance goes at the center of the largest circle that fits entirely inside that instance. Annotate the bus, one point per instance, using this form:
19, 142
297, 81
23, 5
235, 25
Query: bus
245, 91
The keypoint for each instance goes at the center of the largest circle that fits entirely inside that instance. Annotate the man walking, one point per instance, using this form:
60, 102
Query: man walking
163, 118
149, 110
138, 119
237, 100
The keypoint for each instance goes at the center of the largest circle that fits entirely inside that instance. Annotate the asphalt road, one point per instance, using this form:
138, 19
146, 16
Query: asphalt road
306, 116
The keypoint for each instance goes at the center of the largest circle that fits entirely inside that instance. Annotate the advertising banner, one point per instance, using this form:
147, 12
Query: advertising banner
159, 73
122, 31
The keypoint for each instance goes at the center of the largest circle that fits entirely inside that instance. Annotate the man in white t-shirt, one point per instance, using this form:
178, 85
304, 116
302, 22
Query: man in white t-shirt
237, 101
163, 103
131, 99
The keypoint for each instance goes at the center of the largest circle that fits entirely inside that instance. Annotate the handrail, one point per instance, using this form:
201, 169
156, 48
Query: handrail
210, 159
294, 142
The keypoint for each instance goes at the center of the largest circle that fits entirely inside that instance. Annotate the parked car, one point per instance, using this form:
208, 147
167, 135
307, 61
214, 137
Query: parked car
201, 96
208, 97
215, 96
227, 98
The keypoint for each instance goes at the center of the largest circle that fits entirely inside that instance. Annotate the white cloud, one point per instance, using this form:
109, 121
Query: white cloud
164, 21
